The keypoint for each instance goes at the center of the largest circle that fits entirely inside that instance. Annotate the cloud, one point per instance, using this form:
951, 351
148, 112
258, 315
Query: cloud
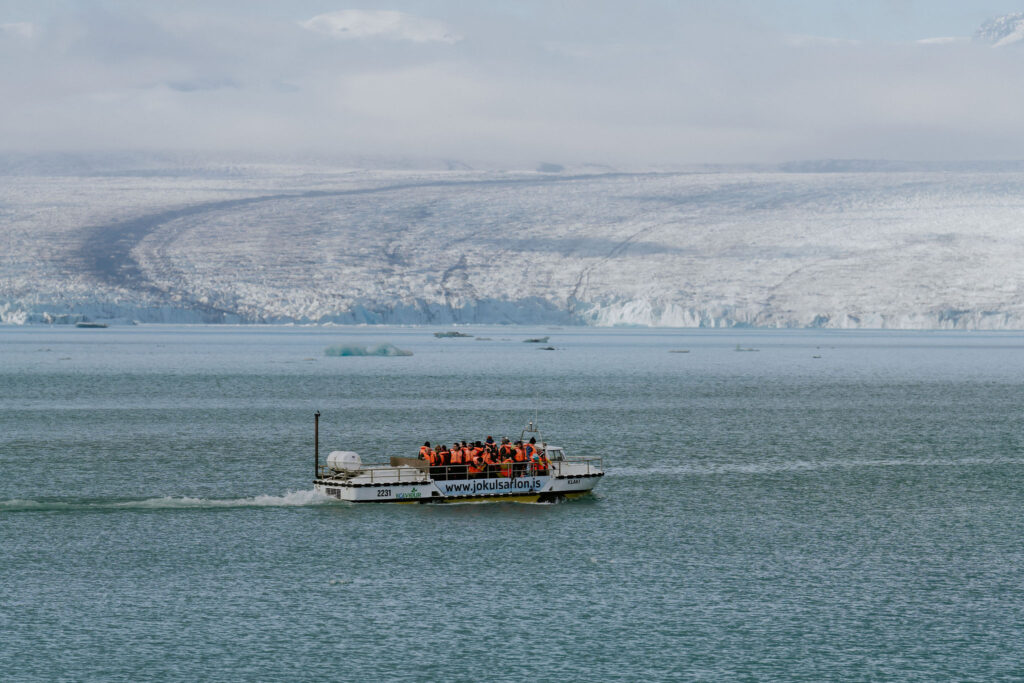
944, 40
201, 84
353, 24
20, 29
652, 84
811, 41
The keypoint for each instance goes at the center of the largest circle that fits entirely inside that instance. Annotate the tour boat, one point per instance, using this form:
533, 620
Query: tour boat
411, 480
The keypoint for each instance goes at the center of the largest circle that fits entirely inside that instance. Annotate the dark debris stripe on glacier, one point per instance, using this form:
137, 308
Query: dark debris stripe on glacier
104, 253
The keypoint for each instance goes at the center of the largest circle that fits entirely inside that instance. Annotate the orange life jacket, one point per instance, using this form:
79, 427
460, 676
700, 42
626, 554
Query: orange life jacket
506, 467
456, 457
423, 451
476, 465
520, 455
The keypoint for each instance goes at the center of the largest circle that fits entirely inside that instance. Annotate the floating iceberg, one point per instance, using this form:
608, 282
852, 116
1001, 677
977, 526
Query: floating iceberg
358, 350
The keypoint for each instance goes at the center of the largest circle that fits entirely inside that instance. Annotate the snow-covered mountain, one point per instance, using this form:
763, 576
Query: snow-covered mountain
1001, 31
883, 249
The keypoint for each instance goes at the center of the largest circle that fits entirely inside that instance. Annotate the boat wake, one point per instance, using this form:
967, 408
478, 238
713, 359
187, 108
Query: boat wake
804, 466
290, 499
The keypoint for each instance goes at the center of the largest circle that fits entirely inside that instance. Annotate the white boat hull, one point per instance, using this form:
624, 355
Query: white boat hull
426, 490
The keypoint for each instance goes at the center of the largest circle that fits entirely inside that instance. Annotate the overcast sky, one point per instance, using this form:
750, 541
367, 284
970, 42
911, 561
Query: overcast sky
625, 83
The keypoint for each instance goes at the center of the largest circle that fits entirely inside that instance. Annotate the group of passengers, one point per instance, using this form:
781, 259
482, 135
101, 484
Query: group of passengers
484, 460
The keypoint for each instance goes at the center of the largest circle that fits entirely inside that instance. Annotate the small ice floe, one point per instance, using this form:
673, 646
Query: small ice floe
740, 348
547, 348
679, 350
537, 340
358, 350
452, 334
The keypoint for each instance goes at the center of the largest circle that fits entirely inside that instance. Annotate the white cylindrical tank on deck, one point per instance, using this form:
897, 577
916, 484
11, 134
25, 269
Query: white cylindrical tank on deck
344, 461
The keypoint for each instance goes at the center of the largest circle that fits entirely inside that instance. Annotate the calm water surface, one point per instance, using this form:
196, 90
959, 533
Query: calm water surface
830, 506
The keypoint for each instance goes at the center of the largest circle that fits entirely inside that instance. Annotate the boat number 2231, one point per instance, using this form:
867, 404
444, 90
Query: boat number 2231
383, 493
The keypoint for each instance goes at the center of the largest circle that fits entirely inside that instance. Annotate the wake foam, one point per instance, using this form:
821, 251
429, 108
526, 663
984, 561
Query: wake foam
290, 499
803, 466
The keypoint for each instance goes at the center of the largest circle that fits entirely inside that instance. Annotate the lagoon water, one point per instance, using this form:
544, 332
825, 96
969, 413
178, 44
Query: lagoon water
831, 506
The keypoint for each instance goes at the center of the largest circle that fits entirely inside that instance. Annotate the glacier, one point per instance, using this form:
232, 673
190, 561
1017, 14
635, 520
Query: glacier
825, 245
1002, 31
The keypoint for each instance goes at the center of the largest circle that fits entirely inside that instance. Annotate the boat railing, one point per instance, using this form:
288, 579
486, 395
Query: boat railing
381, 473
511, 470
593, 464
390, 474
568, 467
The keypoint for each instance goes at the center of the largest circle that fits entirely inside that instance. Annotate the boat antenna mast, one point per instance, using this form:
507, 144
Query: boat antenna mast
531, 428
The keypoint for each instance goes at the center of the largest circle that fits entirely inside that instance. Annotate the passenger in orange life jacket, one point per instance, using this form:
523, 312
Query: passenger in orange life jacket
527, 456
475, 456
519, 455
531, 454
540, 463
443, 461
432, 462
536, 456
506, 450
528, 450
455, 469
490, 464
476, 467
423, 450
458, 469
506, 465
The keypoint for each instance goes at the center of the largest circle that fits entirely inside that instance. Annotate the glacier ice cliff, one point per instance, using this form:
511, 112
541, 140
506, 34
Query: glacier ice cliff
795, 247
